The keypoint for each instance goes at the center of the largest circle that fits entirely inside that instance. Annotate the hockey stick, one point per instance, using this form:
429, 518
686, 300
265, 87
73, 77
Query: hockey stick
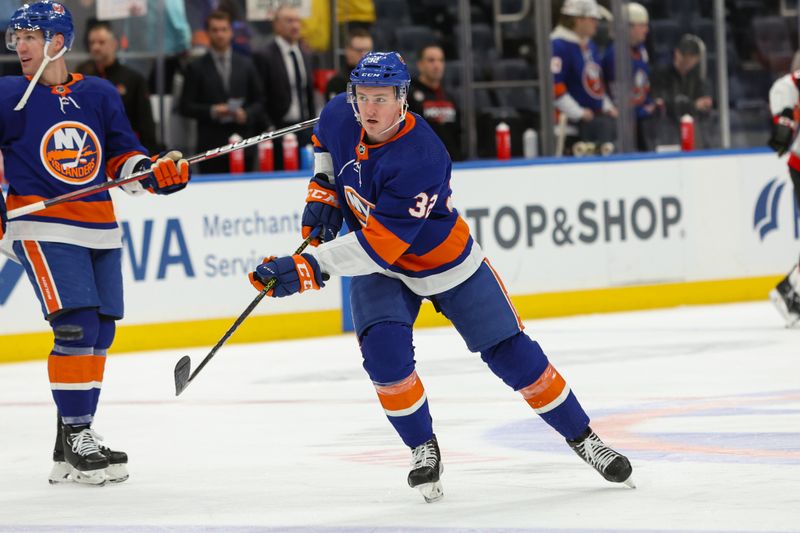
210, 154
562, 134
183, 367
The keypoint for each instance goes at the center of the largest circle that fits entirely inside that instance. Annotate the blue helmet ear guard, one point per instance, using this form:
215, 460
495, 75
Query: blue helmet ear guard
380, 69
50, 17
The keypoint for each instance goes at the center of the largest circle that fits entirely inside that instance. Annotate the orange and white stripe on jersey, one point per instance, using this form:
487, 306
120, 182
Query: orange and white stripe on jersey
76, 372
44, 279
547, 392
402, 398
446, 252
505, 294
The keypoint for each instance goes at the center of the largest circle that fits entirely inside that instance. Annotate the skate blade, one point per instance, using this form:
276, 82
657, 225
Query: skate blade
60, 473
790, 318
95, 478
629, 482
116, 473
432, 492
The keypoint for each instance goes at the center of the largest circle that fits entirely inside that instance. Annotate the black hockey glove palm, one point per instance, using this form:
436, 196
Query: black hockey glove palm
783, 130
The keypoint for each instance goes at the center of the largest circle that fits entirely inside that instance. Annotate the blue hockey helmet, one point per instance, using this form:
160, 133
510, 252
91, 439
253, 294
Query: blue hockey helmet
382, 69
48, 16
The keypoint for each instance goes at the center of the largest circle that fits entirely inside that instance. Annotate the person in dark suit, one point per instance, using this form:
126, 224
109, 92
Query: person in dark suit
132, 86
222, 92
286, 73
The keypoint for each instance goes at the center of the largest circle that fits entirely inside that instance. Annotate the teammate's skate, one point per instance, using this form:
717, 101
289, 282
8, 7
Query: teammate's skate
81, 456
786, 298
426, 468
62, 471
612, 465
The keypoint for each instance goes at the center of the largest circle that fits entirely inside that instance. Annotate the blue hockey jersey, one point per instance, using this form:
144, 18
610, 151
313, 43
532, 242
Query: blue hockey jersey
67, 137
396, 198
577, 75
640, 74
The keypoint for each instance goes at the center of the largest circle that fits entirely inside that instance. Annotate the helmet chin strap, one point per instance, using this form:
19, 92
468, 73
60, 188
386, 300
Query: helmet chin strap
35, 79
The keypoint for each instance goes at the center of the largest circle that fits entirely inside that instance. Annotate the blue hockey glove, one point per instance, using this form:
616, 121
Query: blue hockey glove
170, 173
321, 211
293, 273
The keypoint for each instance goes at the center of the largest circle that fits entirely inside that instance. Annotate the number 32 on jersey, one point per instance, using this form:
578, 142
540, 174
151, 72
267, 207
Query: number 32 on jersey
424, 205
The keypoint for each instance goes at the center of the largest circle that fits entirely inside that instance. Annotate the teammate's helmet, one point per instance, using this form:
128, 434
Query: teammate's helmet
46, 15
381, 69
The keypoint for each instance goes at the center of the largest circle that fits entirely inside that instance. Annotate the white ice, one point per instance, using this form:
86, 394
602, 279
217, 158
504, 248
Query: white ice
289, 436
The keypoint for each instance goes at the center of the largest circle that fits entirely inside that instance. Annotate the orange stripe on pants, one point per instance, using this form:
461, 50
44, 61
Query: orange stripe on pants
402, 395
44, 280
545, 390
76, 368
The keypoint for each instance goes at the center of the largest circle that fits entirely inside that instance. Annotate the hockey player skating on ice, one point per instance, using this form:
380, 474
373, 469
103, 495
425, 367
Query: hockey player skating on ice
60, 132
387, 173
784, 99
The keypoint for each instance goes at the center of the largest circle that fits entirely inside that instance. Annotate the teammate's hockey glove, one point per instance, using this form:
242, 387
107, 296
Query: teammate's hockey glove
170, 173
783, 130
293, 273
321, 211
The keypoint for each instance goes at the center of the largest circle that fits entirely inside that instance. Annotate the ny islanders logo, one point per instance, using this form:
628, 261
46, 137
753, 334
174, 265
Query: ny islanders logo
70, 152
593, 80
358, 205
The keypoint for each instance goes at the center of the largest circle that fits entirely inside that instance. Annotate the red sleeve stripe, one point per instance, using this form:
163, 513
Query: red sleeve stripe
559, 90
115, 163
383, 242
547, 392
402, 398
794, 161
94, 212
76, 372
44, 279
446, 252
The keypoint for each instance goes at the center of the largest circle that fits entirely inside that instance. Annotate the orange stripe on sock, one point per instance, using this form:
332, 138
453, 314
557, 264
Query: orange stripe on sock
544, 390
43, 278
76, 368
401, 395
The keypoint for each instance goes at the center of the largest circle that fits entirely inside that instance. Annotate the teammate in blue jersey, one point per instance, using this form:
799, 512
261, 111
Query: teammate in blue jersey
60, 132
580, 90
641, 99
384, 171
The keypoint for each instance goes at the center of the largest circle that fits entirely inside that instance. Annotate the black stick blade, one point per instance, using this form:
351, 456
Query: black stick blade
182, 372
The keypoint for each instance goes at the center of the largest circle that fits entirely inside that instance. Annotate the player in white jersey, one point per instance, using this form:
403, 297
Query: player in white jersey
784, 103
61, 132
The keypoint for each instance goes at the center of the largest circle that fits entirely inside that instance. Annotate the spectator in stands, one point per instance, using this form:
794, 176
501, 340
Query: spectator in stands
287, 80
359, 42
642, 100
132, 87
429, 99
680, 89
580, 90
222, 92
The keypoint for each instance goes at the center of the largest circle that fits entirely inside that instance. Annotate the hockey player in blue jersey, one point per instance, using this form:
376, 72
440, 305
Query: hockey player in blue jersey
60, 132
579, 86
387, 174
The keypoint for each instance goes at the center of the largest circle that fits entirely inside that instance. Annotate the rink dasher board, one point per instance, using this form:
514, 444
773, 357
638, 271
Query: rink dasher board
566, 236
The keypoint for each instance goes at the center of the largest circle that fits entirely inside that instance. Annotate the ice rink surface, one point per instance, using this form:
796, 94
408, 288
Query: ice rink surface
289, 436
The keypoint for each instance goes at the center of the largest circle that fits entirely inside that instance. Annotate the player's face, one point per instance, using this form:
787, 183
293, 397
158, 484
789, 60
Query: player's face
638, 33
30, 50
586, 27
379, 109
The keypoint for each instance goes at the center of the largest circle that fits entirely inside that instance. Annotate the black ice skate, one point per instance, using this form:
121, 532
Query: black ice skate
786, 299
117, 470
426, 468
81, 458
612, 465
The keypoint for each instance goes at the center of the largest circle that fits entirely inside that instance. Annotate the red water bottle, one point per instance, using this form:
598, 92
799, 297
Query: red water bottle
291, 159
266, 156
687, 133
236, 157
502, 137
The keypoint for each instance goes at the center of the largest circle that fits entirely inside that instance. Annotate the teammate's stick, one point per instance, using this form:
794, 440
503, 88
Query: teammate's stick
183, 367
209, 154
562, 134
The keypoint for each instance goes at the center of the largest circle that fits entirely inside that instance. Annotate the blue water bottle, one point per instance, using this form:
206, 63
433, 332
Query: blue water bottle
307, 157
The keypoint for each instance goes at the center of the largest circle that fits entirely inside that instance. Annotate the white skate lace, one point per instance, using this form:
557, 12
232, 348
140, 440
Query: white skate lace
85, 442
424, 455
596, 453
